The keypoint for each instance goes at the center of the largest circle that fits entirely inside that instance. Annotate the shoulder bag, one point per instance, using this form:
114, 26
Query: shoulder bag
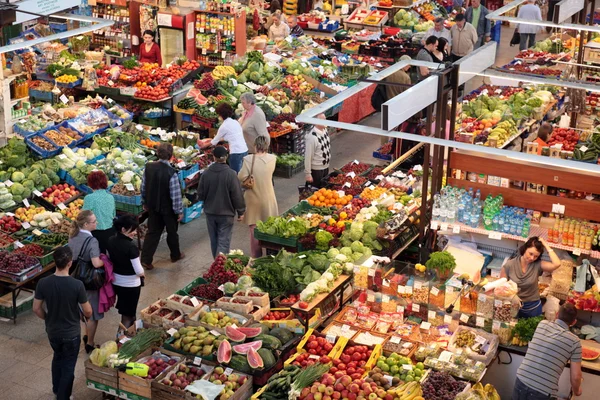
248, 182
92, 278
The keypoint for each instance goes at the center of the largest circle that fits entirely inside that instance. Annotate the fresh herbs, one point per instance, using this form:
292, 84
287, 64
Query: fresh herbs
525, 328
441, 261
289, 159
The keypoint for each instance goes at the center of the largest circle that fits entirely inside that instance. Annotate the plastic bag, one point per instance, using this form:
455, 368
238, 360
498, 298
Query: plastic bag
99, 357
206, 389
551, 307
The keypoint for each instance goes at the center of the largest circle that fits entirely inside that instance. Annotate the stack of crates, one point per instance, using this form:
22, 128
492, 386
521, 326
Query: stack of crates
293, 142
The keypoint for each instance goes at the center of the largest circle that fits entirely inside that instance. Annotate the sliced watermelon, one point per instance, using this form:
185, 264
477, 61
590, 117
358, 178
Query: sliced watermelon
224, 353
234, 334
589, 354
243, 348
197, 95
250, 332
254, 359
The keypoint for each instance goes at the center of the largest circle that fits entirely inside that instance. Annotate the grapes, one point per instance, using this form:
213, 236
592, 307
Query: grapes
208, 291
15, 263
440, 385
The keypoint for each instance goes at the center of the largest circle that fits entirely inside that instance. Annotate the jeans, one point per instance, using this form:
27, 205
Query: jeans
236, 161
527, 40
157, 222
219, 231
63, 365
524, 392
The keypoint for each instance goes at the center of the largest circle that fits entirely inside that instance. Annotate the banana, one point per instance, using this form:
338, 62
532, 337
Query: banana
412, 392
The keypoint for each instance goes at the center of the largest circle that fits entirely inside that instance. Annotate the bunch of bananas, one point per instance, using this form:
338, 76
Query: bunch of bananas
223, 71
66, 79
480, 392
502, 132
410, 391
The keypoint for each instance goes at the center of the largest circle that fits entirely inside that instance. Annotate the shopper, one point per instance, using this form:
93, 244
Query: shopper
542, 137
161, 196
127, 268
426, 54
525, 270
476, 16
529, 11
317, 154
464, 37
57, 301
221, 193
551, 348
102, 204
442, 52
274, 9
231, 132
438, 31
295, 29
149, 50
85, 247
278, 29
400, 77
254, 122
260, 199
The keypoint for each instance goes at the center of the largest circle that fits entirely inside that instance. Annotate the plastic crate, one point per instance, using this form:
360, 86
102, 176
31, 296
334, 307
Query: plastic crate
334, 110
288, 242
78, 82
24, 303
40, 95
287, 171
135, 200
155, 122
193, 212
129, 208
184, 173
386, 157
24, 133
186, 290
38, 150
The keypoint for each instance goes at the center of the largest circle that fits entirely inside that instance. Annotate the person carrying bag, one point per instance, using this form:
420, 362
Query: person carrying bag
91, 277
248, 183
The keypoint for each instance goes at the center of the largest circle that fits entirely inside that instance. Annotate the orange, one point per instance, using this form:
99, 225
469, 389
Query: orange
312, 203
321, 198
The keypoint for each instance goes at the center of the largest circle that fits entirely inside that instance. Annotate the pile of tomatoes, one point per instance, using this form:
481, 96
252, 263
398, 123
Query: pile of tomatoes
277, 315
567, 137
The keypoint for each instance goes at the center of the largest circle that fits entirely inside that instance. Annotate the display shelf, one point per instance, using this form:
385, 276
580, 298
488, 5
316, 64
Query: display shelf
16, 101
534, 231
406, 245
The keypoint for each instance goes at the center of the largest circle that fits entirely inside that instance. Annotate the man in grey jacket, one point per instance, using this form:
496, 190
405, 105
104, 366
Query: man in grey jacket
476, 16
221, 192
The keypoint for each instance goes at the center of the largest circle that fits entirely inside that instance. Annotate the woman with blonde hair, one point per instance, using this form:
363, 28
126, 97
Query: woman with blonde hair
85, 246
260, 199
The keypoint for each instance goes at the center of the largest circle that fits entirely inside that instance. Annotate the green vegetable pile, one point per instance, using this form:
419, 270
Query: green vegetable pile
52, 240
525, 328
38, 175
289, 159
323, 238
363, 232
441, 261
283, 227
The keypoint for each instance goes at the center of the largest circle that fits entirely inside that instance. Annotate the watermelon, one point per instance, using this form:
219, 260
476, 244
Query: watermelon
224, 352
254, 359
589, 354
263, 327
234, 334
250, 332
267, 357
243, 348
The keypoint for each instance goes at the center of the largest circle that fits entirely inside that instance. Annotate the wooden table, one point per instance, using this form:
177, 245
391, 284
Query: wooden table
15, 287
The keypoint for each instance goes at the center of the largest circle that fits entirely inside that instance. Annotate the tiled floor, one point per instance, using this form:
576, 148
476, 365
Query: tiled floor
25, 355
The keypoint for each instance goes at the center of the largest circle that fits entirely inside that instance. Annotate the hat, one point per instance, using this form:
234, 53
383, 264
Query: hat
405, 58
220, 152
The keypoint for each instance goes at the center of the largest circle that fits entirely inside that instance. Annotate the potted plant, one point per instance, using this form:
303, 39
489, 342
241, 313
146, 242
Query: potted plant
443, 263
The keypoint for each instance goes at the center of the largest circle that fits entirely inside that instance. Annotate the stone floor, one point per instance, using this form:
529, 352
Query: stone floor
25, 355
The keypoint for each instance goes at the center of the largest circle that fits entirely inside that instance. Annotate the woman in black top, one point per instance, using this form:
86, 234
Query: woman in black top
127, 268
441, 54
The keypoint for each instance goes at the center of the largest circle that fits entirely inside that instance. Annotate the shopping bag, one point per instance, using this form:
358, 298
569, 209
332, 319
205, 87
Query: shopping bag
305, 191
516, 38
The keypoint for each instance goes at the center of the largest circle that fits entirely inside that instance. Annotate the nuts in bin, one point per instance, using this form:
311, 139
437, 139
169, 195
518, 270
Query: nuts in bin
43, 143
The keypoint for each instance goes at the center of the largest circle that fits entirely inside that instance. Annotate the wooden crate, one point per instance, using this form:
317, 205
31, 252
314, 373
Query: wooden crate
147, 316
157, 319
244, 392
261, 301
226, 304
163, 392
138, 386
103, 375
173, 304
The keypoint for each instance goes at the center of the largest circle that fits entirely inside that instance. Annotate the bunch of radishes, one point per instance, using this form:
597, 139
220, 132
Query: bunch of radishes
217, 273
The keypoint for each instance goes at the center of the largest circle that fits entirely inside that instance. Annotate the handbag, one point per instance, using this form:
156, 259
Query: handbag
248, 182
516, 38
92, 278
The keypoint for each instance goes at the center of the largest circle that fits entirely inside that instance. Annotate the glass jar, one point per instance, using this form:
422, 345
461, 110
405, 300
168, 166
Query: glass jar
485, 304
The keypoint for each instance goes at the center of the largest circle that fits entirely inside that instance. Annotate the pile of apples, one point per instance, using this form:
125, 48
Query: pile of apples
344, 387
297, 84
9, 224
351, 362
317, 348
157, 365
60, 193
183, 377
353, 208
73, 209
232, 382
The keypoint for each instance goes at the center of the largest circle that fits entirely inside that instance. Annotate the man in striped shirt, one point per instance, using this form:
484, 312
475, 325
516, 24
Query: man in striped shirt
552, 346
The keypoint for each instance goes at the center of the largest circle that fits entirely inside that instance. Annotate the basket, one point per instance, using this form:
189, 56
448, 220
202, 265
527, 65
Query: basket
102, 378
135, 387
135, 200
386, 157
40, 95
71, 85
282, 132
186, 290
192, 213
24, 133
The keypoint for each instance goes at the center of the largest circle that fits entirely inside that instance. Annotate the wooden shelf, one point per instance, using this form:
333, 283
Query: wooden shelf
515, 170
540, 202
316, 302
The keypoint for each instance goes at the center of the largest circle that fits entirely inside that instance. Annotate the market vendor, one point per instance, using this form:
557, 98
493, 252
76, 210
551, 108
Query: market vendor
295, 29
525, 270
317, 154
278, 30
543, 135
149, 50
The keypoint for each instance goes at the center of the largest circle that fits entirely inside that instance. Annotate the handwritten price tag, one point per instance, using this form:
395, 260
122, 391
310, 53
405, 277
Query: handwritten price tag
444, 226
416, 308
495, 325
431, 315
495, 235
129, 187
434, 225
395, 339
194, 301
456, 229
409, 367
447, 319
464, 318
197, 361
8, 183
64, 99
351, 174
26, 203
435, 291
18, 244
37, 193
480, 322
61, 206
228, 371
400, 309
25, 225
330, 338
172, 331
577, 252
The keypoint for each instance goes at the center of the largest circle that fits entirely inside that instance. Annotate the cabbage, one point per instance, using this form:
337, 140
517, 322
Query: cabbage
333, 252
347, 251
343, 257
229, 287
357, 246
245, 282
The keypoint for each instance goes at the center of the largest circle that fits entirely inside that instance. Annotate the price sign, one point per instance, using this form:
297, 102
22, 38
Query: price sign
347, 184
322, 94
444, 226
203, 51
330, 338
495, 235
435, 291
212, 110
10, 215
395, 339
480, 322
447, 319
61, 206
62, 156
18, 244
371, 271
409, 367
139, 127
400, 309
110, 101
445, 356
456, 229
139, 324
409, 290
119, 123
434, 225
351, 174
495, 325
129, 187
379, 177
26, 225
215, 333
64, 99
9, 183
37, 193
431, 315
197, 361
482, 297
55, 220
389, 379
495, 273
124, 340
497, 303
181, 164
418, 285
385, 298
370, 298
583, 149
345, 328
577, 252
194, 301
464, 318
356, 162
202, 31
386, 283
416, 308
401, 289
26, 203
228, 371
224, 54
303, 255
172, 331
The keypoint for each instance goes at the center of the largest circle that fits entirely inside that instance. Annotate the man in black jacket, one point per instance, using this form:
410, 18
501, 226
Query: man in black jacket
221, 192
161, 195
